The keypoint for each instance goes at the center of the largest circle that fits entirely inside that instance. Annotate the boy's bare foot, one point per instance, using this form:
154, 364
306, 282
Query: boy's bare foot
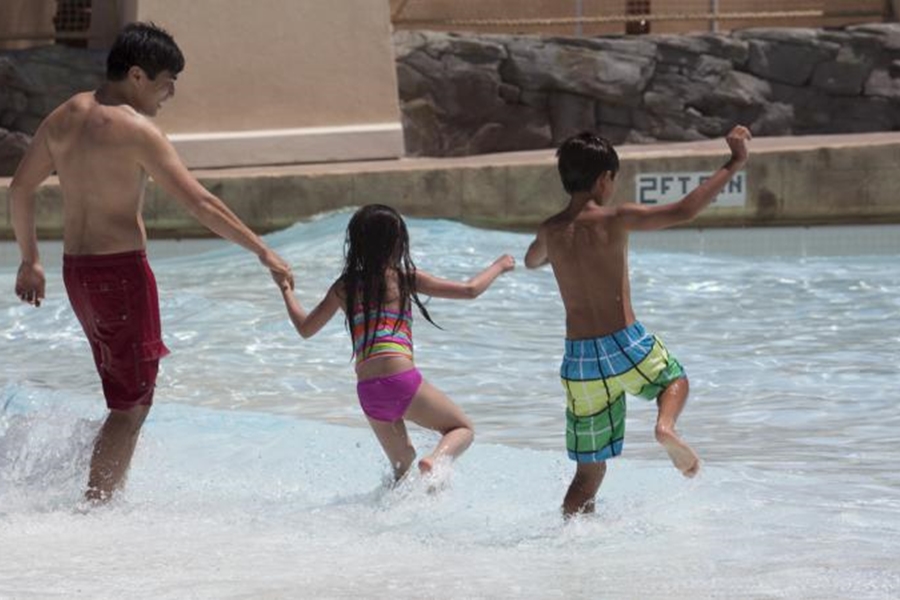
97, 497
682, 455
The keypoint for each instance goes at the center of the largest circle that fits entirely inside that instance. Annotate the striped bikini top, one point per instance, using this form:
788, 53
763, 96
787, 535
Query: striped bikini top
392, 336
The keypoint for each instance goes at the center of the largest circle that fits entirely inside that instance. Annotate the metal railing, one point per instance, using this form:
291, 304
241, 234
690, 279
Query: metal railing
637, 16
71, 19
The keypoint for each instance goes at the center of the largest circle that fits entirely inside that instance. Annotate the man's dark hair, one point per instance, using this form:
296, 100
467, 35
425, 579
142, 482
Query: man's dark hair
146, 46
583, 158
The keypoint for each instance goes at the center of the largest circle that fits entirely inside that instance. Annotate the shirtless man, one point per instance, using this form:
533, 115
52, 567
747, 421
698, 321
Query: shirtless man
608, 352
103, 146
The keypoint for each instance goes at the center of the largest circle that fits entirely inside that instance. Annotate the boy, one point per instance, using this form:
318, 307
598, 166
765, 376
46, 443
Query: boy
608, 352
103, 146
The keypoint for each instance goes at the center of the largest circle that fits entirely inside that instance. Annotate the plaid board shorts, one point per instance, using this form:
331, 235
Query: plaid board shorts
597, 373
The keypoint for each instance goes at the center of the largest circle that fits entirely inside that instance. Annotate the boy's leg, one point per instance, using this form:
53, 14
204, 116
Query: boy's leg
431, 408
113, 450
583, 489
394, 439
671, 402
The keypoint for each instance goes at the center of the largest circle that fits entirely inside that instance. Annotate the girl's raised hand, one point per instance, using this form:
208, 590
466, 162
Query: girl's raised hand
506, 263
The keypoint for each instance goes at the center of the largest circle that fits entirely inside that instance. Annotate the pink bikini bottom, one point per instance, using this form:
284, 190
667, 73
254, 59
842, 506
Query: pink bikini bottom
387, 398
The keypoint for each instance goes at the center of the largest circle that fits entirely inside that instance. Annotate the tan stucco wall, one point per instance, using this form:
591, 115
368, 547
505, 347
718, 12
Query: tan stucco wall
273, 64
841, 179
280, 81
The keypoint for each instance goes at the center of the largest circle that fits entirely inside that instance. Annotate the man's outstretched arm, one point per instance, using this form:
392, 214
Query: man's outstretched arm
161, 161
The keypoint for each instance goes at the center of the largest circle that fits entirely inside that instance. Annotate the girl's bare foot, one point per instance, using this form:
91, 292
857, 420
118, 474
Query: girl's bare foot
683, 456
435, 473
400, 477
426, 465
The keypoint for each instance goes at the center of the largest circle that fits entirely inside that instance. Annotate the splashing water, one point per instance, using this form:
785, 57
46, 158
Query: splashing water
256, 475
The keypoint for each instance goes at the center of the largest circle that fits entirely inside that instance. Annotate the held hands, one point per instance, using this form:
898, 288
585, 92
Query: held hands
737, 140
30, 283
281, 271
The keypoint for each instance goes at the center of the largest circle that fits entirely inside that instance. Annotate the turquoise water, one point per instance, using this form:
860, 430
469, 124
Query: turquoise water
256, 475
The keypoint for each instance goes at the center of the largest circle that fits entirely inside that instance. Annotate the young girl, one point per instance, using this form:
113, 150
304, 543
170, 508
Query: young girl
376, 290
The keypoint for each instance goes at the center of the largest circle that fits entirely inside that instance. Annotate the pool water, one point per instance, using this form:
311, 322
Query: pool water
256, 475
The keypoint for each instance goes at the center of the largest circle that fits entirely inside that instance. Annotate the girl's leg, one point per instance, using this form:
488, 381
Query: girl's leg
580, 497
671, 401
395, 441
431, 408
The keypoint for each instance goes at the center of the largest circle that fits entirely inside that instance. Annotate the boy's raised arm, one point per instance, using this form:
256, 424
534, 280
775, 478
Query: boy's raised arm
444, 288
640, 217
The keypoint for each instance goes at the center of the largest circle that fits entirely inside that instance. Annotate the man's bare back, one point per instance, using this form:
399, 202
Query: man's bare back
95, 152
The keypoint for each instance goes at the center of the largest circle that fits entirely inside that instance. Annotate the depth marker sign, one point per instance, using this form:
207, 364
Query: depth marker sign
665, 188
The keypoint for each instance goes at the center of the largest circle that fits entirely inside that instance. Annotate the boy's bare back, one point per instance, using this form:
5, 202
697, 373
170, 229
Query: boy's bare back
587, 243
588, 253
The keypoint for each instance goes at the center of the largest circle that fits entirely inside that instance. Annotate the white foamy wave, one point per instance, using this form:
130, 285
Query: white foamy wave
231, 504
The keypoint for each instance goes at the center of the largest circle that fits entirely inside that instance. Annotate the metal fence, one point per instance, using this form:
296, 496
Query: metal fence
73, 22
73, 16
77, 22
593, 17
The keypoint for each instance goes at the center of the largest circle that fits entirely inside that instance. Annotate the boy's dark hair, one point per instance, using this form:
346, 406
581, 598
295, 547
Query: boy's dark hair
376, 241
146, 46
583, 158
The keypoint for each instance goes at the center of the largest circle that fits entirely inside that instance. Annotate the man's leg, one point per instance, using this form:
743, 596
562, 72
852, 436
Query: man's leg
113, 450
671, 402
583, 489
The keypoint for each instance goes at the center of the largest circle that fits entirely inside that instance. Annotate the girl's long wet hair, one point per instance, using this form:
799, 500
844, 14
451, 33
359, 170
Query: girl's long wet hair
376, 241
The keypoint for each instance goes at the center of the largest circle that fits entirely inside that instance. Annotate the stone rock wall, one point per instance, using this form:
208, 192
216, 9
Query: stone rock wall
467, 94
32, 83
13, 145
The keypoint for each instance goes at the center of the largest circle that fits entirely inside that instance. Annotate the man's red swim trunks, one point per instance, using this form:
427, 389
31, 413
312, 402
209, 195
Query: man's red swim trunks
114, 297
